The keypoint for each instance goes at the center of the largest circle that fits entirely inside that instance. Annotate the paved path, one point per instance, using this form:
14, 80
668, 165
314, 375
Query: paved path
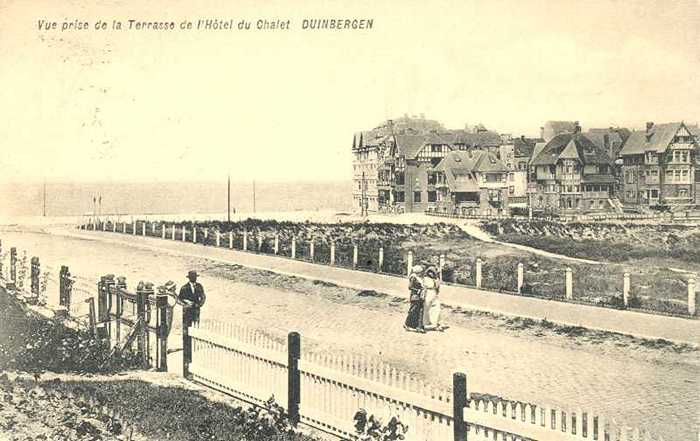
591, 317
657, 389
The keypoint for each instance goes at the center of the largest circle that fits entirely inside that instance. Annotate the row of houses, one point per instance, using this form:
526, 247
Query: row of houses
414, 165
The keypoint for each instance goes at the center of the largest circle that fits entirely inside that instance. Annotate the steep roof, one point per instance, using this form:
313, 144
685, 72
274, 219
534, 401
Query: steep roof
410, 145
657, 140
525, 146
459, 168
462, 162
479, 139
537, 150
571, 146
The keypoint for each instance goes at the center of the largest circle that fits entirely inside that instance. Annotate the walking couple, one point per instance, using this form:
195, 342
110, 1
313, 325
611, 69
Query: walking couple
424, 313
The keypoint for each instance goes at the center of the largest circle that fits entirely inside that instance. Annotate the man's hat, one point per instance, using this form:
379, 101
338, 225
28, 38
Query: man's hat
192, 273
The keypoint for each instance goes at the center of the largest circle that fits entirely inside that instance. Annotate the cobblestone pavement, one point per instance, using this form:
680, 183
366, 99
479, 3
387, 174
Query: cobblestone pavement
655, 389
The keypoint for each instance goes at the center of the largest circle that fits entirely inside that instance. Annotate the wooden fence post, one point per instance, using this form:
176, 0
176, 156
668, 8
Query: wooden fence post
409, 263
143, 326
380, 261
626, 289
184, 233
64, 287
277, 244
521, 277
163, 233
479, 264
124, 227
186, 344
332, 253
218, 239
294, 247
13, 266
692, 305
133, 225
172, 233
92, 315
163, 331
245, 240
230, 239
311, 250
569, 284
293, 377
459, 402
143, 229
114, 226
153, 228
194, 234
260, 242
355, 253
34, 276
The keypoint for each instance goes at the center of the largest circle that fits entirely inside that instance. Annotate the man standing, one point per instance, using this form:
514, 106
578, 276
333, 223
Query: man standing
192, 298
414, 320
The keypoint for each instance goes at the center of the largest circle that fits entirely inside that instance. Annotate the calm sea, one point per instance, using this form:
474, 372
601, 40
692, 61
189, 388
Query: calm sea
72, 199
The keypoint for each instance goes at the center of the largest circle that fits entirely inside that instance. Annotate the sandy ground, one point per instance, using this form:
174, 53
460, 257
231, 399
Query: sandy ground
656, 388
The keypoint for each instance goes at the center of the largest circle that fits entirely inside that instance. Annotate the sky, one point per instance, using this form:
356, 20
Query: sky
107, 105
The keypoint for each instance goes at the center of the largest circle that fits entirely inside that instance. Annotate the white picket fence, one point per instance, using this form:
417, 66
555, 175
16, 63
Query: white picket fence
253, 367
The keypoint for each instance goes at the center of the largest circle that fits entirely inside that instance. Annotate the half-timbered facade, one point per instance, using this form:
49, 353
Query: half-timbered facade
660, 166
570, 174
472, 182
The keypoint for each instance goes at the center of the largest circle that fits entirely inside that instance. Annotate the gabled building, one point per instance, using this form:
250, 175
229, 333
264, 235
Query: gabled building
516, 155
471, 182
660, 166
571, 174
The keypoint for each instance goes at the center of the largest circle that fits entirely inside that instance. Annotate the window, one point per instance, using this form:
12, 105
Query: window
435, 148
669, 175
400, 178
431, 179
511, 190
569, 189
654, 194
432, 196
400, 197
568, 171
684, 175
416, 196
676, 175
655, 173
511, 177
684, 156
683, 193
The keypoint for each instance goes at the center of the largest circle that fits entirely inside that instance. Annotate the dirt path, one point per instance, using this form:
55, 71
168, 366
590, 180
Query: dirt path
476, 232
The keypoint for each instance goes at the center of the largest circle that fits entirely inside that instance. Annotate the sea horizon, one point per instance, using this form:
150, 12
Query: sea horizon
170, 198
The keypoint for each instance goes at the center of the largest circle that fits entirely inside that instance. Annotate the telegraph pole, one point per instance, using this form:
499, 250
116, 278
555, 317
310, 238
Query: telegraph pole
44, 208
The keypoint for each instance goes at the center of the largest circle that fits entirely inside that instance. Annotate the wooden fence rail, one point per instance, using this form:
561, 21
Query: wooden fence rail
325, 391
308, 251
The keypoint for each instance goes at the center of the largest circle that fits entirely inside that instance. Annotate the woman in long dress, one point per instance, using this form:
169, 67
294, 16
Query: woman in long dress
431, 309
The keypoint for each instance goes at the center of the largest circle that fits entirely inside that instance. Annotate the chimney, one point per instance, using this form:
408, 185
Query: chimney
650, 125
577, 127
541, 132
522, 137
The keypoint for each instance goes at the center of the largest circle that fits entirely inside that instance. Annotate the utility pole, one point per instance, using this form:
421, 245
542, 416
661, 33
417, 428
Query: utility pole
44, 209
228, 206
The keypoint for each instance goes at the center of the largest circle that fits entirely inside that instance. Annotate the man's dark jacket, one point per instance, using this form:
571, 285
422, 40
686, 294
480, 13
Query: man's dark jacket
197, 297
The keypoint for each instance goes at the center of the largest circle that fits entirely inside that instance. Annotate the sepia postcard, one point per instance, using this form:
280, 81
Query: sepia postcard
350, 220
